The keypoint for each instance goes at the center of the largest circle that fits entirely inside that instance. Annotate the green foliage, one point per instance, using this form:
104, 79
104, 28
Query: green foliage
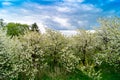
91, 72
16, 29
58, 53
85, 44
109, 35
1, 23
31, 54
34, 27
9, 57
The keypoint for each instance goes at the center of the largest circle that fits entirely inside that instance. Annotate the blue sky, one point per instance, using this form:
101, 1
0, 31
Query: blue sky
59, 14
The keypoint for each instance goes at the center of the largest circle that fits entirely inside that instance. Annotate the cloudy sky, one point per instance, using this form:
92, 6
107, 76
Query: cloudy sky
58, 14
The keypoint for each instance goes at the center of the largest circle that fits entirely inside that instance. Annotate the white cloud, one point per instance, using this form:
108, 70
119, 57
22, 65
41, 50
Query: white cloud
6, 3
68, 32
111, 0
62, 21
3, 11
74, 32
66, 15
74, 0
24, 10
63, 9
83, 22
10, 0
87, 7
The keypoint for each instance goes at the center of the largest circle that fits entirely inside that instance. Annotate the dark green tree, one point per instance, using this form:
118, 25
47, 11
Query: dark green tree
16, 29
1, 23
34, 27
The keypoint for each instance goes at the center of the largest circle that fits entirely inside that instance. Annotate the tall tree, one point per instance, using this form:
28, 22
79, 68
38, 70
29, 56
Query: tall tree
34, 27
109, 35
1, 23
84, 45
58, 54
16, 29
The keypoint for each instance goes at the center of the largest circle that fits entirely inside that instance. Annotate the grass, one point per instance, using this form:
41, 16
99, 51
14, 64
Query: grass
108, 73
78, 75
